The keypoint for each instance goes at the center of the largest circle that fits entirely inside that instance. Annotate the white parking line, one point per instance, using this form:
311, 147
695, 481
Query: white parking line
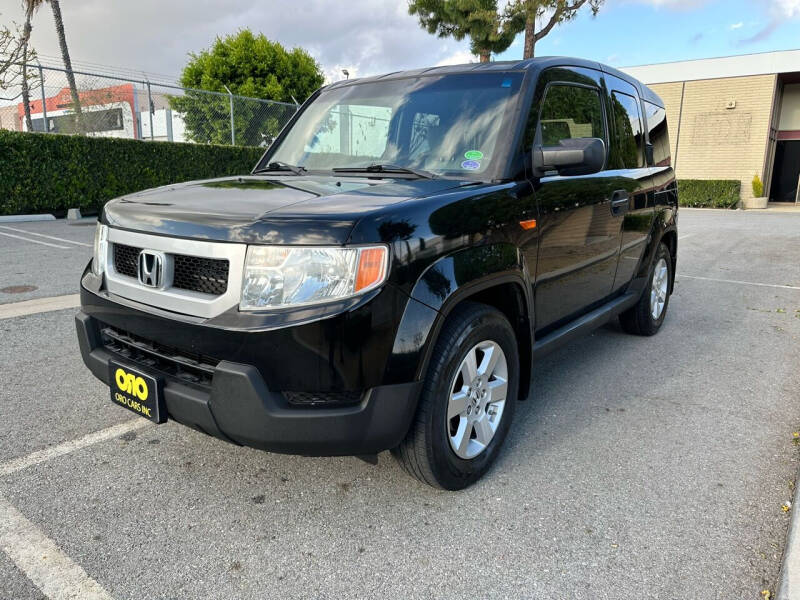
46, 454
19, 237
683, 237
49, 237
42, 561
39, 305
769, 285
55, 574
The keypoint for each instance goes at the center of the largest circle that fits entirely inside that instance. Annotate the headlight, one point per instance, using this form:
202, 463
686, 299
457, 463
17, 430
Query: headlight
100, 244
283, 276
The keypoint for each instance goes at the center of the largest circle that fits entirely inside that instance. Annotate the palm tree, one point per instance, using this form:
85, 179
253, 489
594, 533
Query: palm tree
62, 40
30, 6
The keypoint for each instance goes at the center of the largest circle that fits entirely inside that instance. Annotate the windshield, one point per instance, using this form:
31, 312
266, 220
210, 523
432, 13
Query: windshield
446, 124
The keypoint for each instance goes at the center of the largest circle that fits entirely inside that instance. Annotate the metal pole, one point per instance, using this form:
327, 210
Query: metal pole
150, 109
233, 127
46, 129
137, 115
168, 117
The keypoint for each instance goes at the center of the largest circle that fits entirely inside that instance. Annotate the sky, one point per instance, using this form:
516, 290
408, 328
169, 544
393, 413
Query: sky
369, 37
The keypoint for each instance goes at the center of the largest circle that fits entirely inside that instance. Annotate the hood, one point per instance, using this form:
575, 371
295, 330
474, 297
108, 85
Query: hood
278, 210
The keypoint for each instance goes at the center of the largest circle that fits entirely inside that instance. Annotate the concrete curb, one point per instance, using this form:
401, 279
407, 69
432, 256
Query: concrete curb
25, 218
789, 580
39, 305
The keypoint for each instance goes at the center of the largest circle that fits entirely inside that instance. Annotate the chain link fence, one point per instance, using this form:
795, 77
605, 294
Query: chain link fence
111, 106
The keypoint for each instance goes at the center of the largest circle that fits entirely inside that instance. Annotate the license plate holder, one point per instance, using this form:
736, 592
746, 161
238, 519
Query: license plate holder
137, 391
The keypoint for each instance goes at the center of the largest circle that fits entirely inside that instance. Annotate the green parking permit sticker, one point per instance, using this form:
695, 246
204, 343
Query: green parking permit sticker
473, 155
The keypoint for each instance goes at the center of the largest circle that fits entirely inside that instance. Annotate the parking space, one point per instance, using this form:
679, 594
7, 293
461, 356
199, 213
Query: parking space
638, 468
49, 396
39, 257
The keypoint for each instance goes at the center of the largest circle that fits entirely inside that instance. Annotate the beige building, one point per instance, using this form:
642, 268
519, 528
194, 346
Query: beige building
733, 118
9, 119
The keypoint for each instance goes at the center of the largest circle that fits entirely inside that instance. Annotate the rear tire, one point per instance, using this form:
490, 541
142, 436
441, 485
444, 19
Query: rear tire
447, 447
647, 316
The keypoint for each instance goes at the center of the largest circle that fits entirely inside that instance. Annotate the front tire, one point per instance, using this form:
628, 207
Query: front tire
647, 316
467, 401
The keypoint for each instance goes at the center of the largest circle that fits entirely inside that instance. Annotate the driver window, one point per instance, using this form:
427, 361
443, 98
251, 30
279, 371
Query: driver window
570, 111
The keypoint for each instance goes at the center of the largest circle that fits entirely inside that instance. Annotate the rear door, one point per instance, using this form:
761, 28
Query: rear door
580, 234
634, 191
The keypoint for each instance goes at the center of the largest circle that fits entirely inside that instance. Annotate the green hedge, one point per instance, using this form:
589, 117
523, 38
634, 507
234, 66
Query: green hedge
712, 193
51, 173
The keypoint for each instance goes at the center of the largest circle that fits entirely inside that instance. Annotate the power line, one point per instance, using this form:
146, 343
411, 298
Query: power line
121, 72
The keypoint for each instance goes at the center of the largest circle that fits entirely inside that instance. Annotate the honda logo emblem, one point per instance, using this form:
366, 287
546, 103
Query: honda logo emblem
151, 268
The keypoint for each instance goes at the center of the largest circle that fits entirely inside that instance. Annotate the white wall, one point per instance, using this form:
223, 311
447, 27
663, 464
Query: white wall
790, 108
160, 125
765, 63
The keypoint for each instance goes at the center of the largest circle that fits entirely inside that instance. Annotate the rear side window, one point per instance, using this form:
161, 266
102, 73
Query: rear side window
659, 136
570, 111
628, 129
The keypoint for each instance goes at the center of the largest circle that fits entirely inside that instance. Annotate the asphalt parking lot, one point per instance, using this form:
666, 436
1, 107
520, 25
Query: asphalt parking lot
638, 468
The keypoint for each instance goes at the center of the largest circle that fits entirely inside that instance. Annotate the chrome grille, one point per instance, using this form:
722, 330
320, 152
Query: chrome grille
226, 258
193, 273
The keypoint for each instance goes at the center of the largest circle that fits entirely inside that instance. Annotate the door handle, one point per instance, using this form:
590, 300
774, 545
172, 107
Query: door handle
619, 202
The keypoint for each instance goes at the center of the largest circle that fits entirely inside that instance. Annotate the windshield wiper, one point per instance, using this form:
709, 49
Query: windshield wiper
385, 168
282, 166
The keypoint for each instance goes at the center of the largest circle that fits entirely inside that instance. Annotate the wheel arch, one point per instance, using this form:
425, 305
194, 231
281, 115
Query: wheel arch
664, 228
670, 239
495, 275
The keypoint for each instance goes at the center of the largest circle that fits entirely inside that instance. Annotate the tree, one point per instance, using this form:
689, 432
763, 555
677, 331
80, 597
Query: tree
10, 54
479, 20
62, 41
523, 15
249, 65
30, 6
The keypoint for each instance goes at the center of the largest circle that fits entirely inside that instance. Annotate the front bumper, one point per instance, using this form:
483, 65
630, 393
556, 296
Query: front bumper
237, 405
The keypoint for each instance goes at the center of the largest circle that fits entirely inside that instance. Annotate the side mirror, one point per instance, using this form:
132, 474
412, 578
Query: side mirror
576, 156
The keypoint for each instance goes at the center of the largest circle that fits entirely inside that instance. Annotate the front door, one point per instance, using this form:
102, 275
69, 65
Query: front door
786, 172
578, 215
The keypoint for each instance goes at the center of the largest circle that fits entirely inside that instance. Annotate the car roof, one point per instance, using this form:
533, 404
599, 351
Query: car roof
531, 64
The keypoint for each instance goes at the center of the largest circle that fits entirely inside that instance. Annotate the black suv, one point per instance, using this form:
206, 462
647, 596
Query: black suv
399, 256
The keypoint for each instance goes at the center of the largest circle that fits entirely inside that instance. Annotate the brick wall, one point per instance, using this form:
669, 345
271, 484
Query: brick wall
717, 142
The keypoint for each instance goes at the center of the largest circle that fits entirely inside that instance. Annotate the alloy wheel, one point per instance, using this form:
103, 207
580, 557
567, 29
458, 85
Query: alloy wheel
658, 289
477, 399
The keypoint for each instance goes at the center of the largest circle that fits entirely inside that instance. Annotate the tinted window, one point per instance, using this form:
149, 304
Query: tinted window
568, 112
628, 128
659, 136
449, 124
